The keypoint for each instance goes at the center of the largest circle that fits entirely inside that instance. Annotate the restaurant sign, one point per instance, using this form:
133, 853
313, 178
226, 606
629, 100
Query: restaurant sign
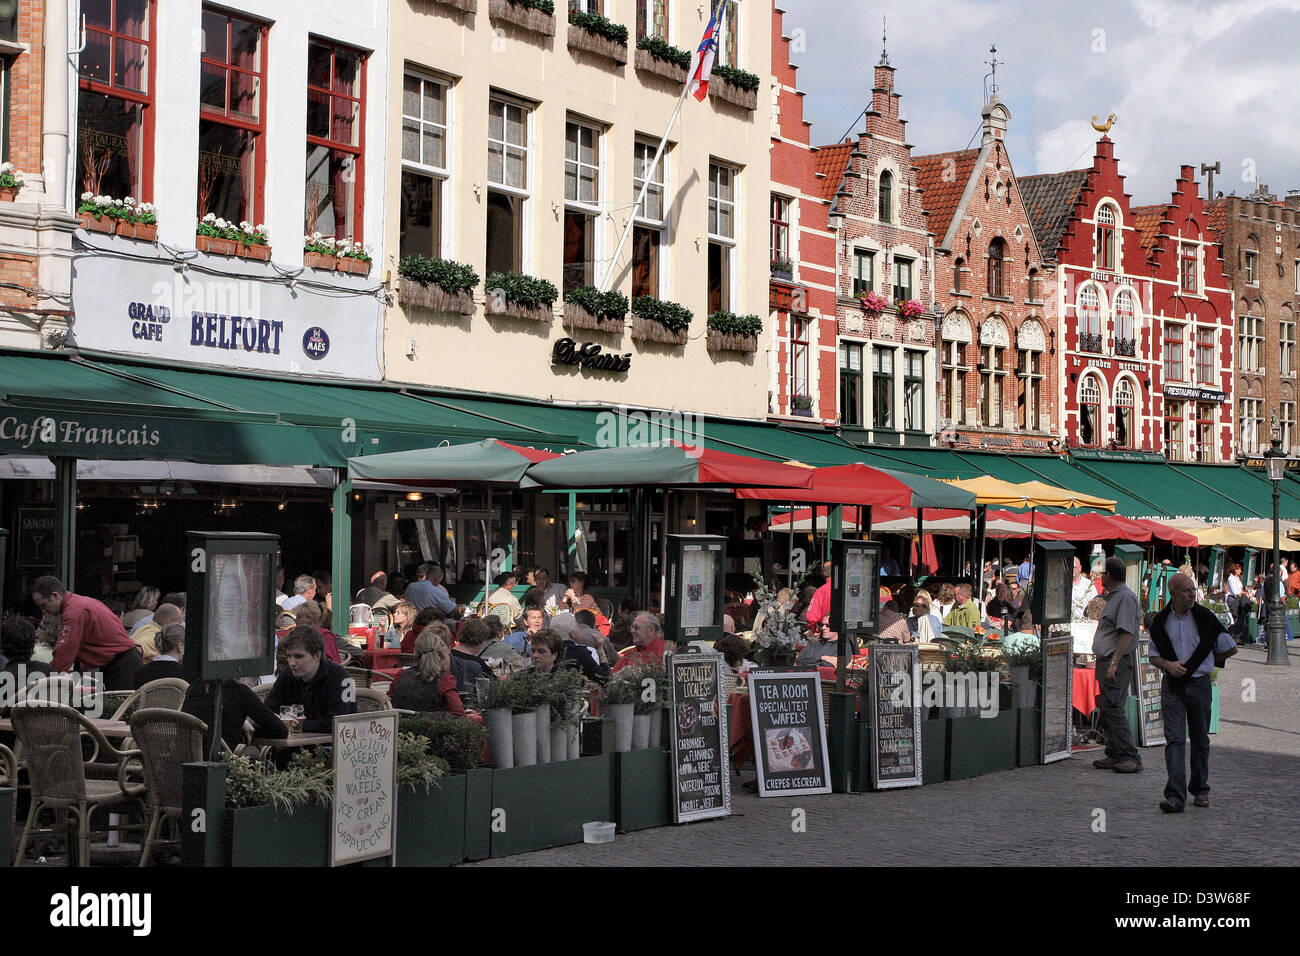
789, 733
589, 355
701, 768
1195, 393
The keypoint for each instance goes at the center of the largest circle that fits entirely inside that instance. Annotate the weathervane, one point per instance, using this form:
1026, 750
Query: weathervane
884, 39
993, 72
1104, 127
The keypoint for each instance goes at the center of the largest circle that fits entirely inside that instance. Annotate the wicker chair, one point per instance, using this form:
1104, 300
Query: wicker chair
606, 607
168, 739
365, 677
166, 693
503, 612
371, 701
50, 735
8, 769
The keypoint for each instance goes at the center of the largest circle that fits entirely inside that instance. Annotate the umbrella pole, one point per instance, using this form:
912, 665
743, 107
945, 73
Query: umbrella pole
1033, 517
977, 563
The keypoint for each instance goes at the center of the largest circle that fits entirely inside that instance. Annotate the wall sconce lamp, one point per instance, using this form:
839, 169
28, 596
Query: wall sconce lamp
550, 518
690, 520
415, 496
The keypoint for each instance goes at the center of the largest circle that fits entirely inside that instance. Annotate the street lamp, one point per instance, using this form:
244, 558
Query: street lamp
1276, 460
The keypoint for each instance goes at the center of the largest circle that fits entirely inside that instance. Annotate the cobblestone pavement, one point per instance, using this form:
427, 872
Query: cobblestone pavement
1031, 816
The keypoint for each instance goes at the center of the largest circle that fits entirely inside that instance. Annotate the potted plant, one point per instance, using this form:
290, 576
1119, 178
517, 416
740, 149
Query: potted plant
223, 238
734, 86
593, 33
783, 269
456, 740
354, 258
657, 56
438, 285
1022, 656
589, 308
728, 332
618, 703
801, 405
520, 296
11, 181
146, 222
320, 252
96, 213
498, 716
873, 303
777, 631
657, 320
564, 698
535, 15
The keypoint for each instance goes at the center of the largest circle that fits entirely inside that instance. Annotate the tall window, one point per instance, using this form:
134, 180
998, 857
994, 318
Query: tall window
648, 231
508, 184
1029, 390
902, 278
424, 165
1175, 430
1187, 271
652, 19
115, 100
1286, 359
799, 356
582, 187
864, 272
1125, 324
1090, 411
958, 274
1204, 432
882, 387
335, 156
586, 6
1173, 352
722, 235
232, 91
1105, 237
851, 384
780, 223
1034, 283
1124, 431
1205, 364
1288, 425
954, 381
992, 382
885, 197
997, 257
1089, 320
1250, 342
1249, 416
914, 391
1251, 267
1297, 275
729, 38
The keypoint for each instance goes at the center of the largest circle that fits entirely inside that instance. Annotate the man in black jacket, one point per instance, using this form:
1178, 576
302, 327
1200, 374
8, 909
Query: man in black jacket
321, 686
1187, 641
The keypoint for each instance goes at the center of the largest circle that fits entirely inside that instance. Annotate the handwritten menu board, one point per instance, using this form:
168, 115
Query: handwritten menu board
1151, 725
789, 733
1058, 693
894, 678
699, 571
700, 759
363, 819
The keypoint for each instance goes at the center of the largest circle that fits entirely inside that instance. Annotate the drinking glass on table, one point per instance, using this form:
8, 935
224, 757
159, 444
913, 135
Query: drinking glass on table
299, 712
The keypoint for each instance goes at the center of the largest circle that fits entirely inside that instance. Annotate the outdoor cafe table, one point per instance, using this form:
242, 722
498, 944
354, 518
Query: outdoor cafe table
295, 740
1086, 689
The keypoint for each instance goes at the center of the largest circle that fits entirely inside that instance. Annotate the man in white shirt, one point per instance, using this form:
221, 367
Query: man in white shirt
304, 590
1082, 593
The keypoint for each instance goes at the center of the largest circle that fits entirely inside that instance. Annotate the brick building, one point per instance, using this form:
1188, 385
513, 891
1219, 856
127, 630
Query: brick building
36, 227
1260, 236
885, 358
997, 363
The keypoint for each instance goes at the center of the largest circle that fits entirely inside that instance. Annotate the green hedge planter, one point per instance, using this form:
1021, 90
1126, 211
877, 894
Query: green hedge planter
266, 836
982, 745
643, 789
431, 824
934, 750
1029, 741
860, 778
1133, 713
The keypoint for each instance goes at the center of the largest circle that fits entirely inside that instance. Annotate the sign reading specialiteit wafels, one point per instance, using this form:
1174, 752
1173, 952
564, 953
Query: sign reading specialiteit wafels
789, 733
700, 760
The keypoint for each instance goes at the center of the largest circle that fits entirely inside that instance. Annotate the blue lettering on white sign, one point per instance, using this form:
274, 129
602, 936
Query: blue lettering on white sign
316, 343
235, 332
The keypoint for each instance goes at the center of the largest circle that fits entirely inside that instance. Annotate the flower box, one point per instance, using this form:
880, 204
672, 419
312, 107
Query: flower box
320, 260
434, 298
1029, 740
982, 745
431, 823
92, 223
647, 62
357, 267
537, 313
527, 18
577, 317
588, 41
216, 246
648, 330
147, 231
268, 836
9, 193
802, 412
728, 92
262, 253
731, 342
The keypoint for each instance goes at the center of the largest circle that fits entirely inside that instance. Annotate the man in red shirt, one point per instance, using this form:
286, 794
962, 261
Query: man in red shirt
647, 642
90, 635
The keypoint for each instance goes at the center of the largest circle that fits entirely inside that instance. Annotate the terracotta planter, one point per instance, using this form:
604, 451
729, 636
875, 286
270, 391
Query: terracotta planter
146, 231
647, 62
125, 228
576, 317
731, 342
357, 267
319, 260
216, 246
103, 224
728, 92
528, 18
587, 41
261, 253
434, 298
7, 193
648, 330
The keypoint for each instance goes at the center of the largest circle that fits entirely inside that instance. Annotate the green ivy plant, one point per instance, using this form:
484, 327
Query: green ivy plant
522, 290
451, 277
670, 315
603, 305
595, 23
416, 767
802, 402
731, 324
662, 50
741, 78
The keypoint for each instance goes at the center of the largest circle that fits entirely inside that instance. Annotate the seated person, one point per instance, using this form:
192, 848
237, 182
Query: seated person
823, 645
498, 648
923, 625
734, 651
404, 615
423, 619
592, 636
647, 642
238, 704
965, 610
146, 636
534, 620
309, 614
429, 686
620, 632
311, 680
17, 644
550, 651
170, 644
504, 595
472, 643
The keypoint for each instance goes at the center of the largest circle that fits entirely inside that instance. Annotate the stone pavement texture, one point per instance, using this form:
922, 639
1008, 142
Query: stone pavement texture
1031, 816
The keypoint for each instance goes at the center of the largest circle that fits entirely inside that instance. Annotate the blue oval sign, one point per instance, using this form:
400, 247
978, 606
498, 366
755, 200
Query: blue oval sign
316, 343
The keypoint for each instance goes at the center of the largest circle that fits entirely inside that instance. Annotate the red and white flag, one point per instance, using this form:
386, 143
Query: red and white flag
702, 64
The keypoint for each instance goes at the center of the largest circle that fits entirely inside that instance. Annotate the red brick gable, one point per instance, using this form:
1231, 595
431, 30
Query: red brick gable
942, 179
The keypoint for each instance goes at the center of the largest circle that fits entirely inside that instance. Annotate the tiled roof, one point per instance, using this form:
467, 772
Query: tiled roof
1216, 217
831, 162
1049, 201
1147, 220
942, 193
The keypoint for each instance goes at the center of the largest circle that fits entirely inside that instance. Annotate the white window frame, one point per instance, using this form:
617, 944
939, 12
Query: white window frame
731, 242
1195, 258
1297, 275
444, 173
1250, 342
1099, 427
526, 193
592, 209
1188, 373
1127, 384
730, 9
1286, 350
1116, 225
1033, 387
893, 276
956, 377
639, 161
1212, 379
1120, 295
1250, 266
1287, 424
923, 390
649, 7
1249, 413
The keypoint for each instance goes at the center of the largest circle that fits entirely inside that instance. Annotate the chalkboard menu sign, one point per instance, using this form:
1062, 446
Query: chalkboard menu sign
363, 815
1058, 693
789, 732
700, 758
895, 680
1151, 722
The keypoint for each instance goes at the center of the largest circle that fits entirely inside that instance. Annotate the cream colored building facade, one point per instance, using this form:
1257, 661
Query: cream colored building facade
500, 121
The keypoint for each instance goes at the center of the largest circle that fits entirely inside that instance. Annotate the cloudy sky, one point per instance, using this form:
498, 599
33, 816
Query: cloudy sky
1191, 81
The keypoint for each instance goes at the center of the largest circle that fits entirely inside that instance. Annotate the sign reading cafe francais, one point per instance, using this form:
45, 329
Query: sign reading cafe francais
589, 355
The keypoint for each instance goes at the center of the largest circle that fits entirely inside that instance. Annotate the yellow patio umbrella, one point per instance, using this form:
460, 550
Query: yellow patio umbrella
1074, 499
1029, 494
1230, 537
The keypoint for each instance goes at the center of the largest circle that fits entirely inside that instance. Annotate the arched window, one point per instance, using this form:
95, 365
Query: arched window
956, 337
1125, 323
997, 258
885, 197
994, 340
1124, 414
1089, 320
1030, 343
957, 269
1106, 237
1090, 411
1033, 285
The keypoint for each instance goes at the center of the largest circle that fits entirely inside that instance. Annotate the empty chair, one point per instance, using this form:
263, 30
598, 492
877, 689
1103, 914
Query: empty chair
165, 692
167, 740
370, 700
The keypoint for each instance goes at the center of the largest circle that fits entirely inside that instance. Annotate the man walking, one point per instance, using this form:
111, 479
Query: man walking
1112, 645
1189, 641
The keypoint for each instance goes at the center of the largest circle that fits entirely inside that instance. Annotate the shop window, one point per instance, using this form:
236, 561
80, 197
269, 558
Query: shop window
335, 151
115, 112
882, 385
648, 231
582, 191
652, 19
508, 184
1124, 414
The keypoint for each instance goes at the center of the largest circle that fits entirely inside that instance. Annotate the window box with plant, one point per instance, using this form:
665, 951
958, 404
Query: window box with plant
11, 181
873, 303
657, 320
910, 308
734, 333
124, 217
520, 296
335, 255
223, 238
592, 33
654, 55
589, 308
801, 405
737, 87
783, 269
438, 285
535, 15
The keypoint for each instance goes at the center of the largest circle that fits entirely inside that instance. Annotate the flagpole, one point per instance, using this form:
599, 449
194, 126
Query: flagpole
645, 185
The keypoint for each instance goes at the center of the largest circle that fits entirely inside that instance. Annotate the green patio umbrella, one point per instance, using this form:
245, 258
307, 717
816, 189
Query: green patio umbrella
488, 463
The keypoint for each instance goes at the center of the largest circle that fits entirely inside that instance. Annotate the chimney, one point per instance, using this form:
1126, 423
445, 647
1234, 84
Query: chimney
995, 116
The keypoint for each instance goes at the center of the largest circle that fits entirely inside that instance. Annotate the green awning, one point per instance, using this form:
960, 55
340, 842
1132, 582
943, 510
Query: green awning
1060, 472
931, 462
1254, 490
1201, 492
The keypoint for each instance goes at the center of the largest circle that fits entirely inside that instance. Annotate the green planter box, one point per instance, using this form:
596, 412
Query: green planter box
643, 789
267, 836
934, 750
982, 745
1133, 712
1029, 740
1293, 619
533, 808
1214, 709
431, 823
860, 779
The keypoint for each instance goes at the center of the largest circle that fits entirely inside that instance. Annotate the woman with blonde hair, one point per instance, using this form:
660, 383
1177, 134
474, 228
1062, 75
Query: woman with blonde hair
143, 606
429, 686
403, 620
947, 598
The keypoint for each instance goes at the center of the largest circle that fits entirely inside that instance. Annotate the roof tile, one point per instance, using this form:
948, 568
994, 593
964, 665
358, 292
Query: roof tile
941, 194
1147, 220
831, 162
1049, 200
